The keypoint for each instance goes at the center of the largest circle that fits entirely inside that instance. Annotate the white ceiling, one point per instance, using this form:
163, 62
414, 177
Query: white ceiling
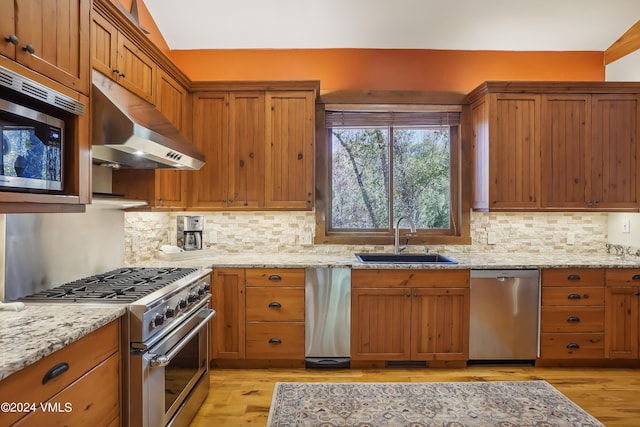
413, 24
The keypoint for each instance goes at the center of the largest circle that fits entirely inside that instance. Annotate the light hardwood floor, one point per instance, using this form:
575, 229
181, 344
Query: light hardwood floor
241, 397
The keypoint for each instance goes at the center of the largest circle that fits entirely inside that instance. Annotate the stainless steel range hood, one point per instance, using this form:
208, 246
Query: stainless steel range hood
129, 132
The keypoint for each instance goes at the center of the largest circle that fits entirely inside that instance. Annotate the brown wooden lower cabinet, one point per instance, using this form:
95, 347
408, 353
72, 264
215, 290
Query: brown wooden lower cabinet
622, 314
409, 315
87, 393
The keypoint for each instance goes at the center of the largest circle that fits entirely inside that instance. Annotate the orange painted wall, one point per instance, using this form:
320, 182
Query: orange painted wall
389, 69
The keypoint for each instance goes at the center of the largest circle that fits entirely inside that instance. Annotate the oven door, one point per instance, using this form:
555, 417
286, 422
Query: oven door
170, 380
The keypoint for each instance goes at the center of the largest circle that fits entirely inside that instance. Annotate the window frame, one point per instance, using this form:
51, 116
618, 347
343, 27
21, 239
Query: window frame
460, 177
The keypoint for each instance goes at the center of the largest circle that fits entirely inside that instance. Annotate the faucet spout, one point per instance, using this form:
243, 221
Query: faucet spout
397, 247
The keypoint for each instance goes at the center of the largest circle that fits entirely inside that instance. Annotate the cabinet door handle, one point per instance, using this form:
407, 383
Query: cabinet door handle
56, 371
275, 277
573, 319
573, 277
29, 48
275, 341
573, 296
275, 304
11, 38
636, 277
573, 345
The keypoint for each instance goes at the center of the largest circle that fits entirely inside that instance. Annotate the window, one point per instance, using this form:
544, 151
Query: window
382, 165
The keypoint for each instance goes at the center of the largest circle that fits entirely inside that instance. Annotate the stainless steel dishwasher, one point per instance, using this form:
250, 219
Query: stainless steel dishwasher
328, 317
504, 315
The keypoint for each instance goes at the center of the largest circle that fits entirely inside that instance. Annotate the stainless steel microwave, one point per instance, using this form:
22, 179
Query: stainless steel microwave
32, 151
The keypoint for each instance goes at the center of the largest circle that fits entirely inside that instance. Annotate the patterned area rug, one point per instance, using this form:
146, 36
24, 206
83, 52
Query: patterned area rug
456, 404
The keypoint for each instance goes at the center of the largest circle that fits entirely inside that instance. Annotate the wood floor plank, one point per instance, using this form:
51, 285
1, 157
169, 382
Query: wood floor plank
241, 397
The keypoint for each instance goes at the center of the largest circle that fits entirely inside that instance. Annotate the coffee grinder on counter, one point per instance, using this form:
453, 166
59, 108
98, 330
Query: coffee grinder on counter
190, 232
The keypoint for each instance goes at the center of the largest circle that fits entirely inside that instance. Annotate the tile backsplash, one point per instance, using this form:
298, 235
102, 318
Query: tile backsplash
268, 232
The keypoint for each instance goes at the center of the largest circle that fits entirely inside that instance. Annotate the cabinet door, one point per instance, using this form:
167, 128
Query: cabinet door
246, 149
171, 100
227, 328
136, 70
514, 151
104, 46
565, 134
380, 324
58, 33
7, 28
615, 182
622, 320
440, 324
208, 186
289, 153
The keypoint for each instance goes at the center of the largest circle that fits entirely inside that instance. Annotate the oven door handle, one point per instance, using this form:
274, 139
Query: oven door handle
160, 360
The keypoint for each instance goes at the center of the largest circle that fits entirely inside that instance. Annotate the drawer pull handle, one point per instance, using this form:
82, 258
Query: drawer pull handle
57, 370
573, 319
573, 277
636, 277
573, 296
573, 345
275, 277
275, 304
275, 341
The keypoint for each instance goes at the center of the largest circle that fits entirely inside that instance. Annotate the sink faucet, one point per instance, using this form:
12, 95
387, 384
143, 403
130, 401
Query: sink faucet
397, 248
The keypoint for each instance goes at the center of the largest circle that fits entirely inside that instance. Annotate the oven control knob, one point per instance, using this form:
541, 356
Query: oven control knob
193, 297
201, 290
169, 313
158, 320
182, 303
207, 287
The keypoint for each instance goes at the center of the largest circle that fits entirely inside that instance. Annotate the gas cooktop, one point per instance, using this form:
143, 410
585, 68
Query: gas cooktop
123, 285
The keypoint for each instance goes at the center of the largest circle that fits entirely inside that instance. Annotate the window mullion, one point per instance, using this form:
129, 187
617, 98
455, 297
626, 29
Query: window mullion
391, 187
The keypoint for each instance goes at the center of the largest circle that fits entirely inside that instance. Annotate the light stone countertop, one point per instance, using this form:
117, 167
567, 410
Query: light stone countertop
209, 259
40, 329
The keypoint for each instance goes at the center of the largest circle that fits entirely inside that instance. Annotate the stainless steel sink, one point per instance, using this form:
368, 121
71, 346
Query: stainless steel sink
404, 259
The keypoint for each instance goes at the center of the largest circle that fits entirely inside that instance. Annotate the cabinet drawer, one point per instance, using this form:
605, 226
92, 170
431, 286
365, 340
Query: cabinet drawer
275, 340
623, 277
275, 304
573, 277
572, 346
578, 319
275, 277
573, 296
80, 356
370, 278
92, 400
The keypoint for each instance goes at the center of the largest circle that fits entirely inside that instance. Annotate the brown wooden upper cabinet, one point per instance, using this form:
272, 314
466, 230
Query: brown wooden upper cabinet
49, 37
556, 146
118, 57
259, 150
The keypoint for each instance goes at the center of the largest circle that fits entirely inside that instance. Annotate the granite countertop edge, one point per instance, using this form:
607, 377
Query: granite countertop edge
39, 330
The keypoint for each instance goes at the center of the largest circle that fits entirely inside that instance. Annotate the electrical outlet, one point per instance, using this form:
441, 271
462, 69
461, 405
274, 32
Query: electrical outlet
213, 236
571, 238
305, 239
491, 238
626, 225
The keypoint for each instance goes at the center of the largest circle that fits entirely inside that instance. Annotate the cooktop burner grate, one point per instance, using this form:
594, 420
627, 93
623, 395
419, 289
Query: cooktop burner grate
120, 285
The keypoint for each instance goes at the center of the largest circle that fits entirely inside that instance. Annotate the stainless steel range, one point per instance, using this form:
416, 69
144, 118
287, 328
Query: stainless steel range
166, 375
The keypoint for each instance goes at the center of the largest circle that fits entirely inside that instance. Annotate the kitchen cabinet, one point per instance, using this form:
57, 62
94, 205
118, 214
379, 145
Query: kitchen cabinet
572, 324
409, 315
589, 151
507, 150
227, 328
229, 130
556, 146
289, 151
622, 324
117, 56
82, 378
259, 146
49, 37
275, 314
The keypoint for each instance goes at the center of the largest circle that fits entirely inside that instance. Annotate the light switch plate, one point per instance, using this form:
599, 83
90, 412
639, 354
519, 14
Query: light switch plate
626, 225
491, 238
305, 238
571, 238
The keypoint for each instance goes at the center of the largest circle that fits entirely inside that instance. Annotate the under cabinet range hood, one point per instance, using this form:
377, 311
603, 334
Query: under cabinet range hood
129, 132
